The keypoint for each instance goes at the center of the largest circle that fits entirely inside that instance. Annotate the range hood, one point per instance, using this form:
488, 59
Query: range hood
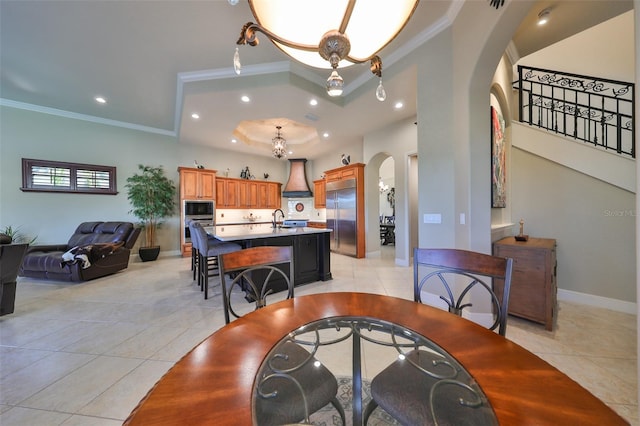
297, 185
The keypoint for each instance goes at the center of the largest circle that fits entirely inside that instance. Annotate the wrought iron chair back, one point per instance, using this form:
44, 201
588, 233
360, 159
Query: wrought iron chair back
452, 271
285, 395
465, 271
255, 269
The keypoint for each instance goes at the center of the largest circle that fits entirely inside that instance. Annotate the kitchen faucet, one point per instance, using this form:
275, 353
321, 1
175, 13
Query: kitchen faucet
275, 215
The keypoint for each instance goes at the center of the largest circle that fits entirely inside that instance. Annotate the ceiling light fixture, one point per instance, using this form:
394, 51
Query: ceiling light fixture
543, 17
381, 186
278, 144
325, 34
100, 100
195, 116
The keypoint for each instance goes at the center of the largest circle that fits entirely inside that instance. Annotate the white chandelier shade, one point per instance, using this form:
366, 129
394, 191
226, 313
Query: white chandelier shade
298, 26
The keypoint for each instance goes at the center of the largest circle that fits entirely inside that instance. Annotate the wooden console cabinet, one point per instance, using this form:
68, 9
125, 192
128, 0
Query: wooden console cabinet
533, 282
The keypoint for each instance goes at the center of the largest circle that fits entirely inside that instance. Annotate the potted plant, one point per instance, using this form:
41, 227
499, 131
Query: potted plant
13, 246
151, 194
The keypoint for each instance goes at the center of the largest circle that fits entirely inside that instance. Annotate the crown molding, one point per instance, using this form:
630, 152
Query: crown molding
84, 117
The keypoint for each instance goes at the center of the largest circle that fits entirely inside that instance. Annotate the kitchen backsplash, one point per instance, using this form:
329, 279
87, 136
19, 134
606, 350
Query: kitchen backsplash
293, 208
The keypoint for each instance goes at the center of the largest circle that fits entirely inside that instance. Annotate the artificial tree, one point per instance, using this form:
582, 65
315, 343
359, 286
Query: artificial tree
152, 197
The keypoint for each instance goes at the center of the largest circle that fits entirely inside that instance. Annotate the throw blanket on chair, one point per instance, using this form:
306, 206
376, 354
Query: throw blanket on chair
89, 253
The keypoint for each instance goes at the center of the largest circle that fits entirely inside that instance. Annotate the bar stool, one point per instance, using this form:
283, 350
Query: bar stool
208, 251
194, 249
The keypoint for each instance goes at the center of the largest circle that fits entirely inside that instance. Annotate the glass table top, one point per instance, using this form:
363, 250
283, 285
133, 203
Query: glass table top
300, 374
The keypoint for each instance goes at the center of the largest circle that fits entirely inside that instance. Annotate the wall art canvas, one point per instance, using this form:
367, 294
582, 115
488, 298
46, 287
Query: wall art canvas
498, 159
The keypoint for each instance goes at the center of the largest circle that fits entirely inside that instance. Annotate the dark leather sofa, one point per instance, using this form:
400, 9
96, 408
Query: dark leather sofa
94, 250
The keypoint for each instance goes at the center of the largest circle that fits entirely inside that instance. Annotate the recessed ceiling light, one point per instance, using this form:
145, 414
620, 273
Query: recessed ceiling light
245, 98
290, 152
325, 135
233, 141
398, 105
313, 102
543, 17
195, 116
100, 100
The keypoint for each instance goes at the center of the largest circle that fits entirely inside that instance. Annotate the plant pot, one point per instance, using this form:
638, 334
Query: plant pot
7, 298
149, 253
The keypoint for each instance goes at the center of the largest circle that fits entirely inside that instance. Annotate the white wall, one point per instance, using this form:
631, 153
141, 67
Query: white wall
606, 50
592, 221
397, 141
53, 217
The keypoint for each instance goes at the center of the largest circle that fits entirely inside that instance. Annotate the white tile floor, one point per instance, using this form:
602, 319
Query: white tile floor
86, 353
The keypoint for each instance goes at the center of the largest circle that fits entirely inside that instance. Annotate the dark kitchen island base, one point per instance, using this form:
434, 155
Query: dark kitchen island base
311, 248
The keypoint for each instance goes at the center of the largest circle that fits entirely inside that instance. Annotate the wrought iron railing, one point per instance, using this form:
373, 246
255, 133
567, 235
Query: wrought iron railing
594, 110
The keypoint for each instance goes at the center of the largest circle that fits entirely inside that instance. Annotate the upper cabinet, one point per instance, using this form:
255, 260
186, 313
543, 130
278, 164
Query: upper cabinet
228, 193
242, 194
346, 172
319, 194
197, 184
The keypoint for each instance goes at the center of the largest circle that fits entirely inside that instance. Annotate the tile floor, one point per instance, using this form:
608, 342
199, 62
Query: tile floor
86, 353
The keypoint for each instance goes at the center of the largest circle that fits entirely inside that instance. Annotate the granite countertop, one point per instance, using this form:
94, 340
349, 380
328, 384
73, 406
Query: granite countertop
257, 230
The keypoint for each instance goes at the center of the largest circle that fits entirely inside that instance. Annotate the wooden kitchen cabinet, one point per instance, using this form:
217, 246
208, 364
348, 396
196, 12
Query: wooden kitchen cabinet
228, 192
319, 194
244, 194
274, 195
341, 173
533, 281
197, 184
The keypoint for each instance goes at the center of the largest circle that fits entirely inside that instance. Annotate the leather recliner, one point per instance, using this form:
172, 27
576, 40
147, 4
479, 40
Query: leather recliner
94, 250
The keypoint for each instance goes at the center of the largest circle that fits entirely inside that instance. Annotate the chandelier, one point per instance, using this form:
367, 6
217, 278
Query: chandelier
329, 33
278, 144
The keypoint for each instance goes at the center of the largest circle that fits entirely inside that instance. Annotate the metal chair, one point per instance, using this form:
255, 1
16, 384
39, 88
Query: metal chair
402, 389
292, 385
209, 250
256, 273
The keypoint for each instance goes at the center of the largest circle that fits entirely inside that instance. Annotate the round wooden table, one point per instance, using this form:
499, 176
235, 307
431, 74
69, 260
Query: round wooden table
214, 383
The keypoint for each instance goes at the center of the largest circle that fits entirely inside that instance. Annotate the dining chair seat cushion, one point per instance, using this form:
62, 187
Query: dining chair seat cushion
317, 382
396, 387
222, 248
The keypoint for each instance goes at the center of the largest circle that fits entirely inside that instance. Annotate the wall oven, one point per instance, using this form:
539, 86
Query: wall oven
202, 211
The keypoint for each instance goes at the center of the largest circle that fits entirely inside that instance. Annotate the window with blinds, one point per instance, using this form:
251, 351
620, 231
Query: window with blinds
56, 176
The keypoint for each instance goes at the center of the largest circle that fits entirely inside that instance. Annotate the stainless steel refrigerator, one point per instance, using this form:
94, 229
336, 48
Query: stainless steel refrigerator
341, 216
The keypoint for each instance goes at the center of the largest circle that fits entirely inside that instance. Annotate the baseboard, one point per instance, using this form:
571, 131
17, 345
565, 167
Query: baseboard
598, 301
169, 253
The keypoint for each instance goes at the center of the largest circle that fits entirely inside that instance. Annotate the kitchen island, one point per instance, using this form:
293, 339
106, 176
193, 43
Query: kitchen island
311, 246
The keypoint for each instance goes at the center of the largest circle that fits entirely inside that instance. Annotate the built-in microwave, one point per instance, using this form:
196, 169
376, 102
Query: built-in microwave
199, 211
198, 208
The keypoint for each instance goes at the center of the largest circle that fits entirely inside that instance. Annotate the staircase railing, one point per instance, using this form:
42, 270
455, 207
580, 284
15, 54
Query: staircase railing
595, 110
